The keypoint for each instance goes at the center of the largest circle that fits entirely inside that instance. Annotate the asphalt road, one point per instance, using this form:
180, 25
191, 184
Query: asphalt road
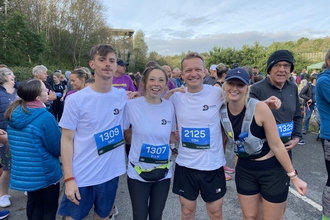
307, 159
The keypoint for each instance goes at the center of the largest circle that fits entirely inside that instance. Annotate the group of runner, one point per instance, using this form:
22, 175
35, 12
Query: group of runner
92, 142
197, 116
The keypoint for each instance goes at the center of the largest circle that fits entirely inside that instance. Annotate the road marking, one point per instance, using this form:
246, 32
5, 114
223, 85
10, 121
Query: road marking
309, 201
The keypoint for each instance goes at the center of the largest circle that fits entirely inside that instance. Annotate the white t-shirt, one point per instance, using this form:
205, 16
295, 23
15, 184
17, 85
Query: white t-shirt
88, 113
152, 125
198, 118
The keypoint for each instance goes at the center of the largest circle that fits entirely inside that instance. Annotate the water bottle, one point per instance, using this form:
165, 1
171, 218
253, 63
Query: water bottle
241, 137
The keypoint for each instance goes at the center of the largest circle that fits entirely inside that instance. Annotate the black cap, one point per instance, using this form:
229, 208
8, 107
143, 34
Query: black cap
121, 62
278, 56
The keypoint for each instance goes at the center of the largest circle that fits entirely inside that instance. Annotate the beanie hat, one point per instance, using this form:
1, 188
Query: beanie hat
280, 55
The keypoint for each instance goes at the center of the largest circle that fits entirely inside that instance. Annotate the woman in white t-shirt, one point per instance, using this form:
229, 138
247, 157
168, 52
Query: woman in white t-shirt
149, 167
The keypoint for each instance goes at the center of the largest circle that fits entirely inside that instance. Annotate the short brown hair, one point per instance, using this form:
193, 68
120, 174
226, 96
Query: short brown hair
190, 56
102, 50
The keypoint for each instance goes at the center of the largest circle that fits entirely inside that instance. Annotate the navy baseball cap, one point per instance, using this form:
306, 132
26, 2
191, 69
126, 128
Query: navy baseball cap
238, 73
121, 62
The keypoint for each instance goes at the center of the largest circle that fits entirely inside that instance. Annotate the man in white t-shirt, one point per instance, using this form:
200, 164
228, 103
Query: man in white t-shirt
92, 143
199, 164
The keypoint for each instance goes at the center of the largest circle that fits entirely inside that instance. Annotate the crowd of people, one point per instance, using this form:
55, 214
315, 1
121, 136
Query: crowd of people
94, 120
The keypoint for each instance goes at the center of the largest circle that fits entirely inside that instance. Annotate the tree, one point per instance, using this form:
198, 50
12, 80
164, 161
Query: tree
20, 45
140, 50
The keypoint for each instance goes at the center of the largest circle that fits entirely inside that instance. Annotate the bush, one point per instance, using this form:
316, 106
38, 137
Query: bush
22, 73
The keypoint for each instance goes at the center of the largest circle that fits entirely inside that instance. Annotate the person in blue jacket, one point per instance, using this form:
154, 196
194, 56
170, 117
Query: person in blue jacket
34, 139
323, 106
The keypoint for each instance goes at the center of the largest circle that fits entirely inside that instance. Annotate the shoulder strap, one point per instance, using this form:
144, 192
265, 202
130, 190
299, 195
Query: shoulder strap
249, 113
224, 118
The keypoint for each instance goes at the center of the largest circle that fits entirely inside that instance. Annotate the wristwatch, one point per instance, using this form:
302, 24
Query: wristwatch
293, 173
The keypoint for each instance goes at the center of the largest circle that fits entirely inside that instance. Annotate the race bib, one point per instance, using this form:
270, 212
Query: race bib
196, 138
154, 154
109, 139
285, 131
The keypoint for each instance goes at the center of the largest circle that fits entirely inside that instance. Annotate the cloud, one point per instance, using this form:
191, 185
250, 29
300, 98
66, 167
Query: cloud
205, 43
189, 22
174, 15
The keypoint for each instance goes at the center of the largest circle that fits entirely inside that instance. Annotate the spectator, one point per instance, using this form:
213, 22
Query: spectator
78, 78
8, 94
170, 83
34, 139
210, 77
40, 72
221, 74
308, 94
323, 106
250, 71
235, 65
303, 75
137, 79
120, 79
58, 103
68, 84
177, 76
169, 74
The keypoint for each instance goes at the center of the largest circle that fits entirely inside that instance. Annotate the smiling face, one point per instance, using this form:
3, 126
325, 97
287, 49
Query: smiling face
193, 74
10, 78
235, 90
155, 84
279, 73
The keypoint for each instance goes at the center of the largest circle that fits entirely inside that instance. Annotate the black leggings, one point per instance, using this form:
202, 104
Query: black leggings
148, 198
58, 107
43, 203
326, 150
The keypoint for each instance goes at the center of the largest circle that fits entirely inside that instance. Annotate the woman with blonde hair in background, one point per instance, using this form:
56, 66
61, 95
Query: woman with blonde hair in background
78, 78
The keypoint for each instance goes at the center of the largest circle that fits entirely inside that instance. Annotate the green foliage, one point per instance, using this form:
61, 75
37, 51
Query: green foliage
140, 50
20, 45
22, 73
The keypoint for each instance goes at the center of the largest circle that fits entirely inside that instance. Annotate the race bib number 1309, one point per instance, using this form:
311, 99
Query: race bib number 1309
109, 139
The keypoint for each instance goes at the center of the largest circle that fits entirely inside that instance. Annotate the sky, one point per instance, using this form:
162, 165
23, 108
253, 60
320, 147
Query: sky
175, 26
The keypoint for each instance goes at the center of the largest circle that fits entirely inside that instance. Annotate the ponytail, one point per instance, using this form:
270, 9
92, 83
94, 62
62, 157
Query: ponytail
12, 107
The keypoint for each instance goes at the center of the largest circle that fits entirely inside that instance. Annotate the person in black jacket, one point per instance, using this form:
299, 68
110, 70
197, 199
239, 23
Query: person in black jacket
308, 94
279, 67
